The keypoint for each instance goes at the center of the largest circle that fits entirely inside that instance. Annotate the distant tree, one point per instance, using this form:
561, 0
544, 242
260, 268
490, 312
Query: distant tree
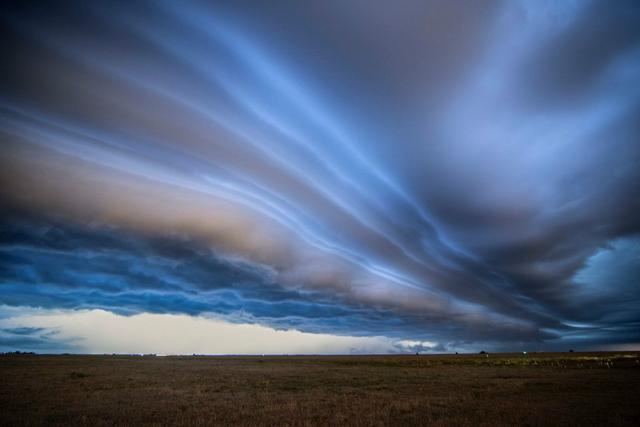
483, 352
571, 351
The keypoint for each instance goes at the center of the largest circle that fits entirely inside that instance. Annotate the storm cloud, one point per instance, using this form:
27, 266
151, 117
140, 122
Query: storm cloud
447, 174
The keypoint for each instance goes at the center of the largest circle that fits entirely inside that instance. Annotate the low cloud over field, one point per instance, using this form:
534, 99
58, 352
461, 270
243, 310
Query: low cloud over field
99, 331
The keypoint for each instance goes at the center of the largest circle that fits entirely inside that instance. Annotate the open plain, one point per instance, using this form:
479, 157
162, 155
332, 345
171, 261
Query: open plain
498, 389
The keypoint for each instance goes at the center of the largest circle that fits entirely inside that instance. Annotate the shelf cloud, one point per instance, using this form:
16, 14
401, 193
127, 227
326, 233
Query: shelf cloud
441, 175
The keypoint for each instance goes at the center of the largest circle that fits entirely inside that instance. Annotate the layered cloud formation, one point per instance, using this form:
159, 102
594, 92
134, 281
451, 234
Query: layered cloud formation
441, 174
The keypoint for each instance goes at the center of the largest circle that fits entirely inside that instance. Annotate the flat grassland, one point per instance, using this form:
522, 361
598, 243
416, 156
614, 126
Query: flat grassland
501, 389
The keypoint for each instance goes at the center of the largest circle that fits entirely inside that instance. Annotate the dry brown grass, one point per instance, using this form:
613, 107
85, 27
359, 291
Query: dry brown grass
538, 389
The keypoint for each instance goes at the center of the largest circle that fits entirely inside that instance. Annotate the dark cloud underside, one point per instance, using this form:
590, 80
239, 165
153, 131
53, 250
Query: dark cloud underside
450, 172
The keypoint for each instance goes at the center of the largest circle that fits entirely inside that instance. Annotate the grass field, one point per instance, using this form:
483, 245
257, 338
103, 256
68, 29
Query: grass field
506, 389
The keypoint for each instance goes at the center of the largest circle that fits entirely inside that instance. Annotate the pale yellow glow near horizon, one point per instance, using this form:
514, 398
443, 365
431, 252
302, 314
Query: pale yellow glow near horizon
99, 331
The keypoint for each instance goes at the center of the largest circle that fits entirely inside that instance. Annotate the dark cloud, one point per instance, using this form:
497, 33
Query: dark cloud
23, 331
41, 340
568, 67
51, 263
431, 171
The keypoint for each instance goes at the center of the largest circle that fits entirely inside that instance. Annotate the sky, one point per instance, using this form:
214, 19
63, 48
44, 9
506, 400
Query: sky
320, 176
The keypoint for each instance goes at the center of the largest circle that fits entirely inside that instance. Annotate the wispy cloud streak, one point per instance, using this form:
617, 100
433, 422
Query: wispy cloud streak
377, 168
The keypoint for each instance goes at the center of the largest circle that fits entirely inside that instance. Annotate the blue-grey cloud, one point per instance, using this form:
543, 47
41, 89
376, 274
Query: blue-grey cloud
36, 339
50, 263
319, 167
